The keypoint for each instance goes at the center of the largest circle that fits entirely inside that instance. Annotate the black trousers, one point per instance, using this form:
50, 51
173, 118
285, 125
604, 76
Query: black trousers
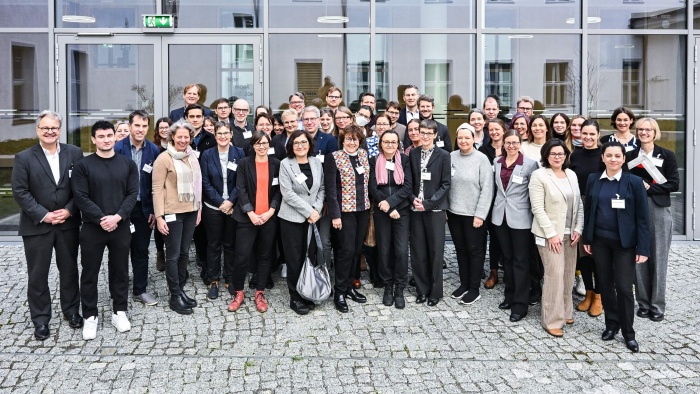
536, 268
427, 251
350, 239
38, 250
616, 274
140, 241
469, 246
586, 265
200, 245
252, 240
295, 251
515, 246
221, 235
93, 240
158, 238
177, 250
392, 246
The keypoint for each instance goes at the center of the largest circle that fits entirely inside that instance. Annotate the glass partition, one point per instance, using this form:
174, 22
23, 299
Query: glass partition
319, 14
24, 13
209, 14
520, 14
426, 14
636, 14
82, 14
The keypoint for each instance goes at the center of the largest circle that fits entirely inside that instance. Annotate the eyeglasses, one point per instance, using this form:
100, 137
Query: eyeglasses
382, 124
310, 119
390, 143
299, 144
557, 154
393, 112
426, 134
333, 97
342, 117
241, 109
49, 129
510, 143
261, 144
223, 108
524, 109
350, 139
223, 134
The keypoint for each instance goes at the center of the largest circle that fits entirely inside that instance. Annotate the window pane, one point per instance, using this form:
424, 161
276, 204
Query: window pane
98, 13
215, 13
311, 63
319, 15
636, 14
441, 65
547, 14
24, 75
646, 74
426, 14
24, 13
544, 67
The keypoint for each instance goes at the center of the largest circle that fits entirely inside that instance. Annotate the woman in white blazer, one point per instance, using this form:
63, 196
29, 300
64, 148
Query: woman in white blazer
302, 188
558, 224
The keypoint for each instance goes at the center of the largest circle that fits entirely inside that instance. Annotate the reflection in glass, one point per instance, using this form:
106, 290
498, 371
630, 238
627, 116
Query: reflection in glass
646, 74
635, 14
519, 14
97, 13
426, 14
441, 65
311, 63
215, 13
24, 13
127, 71
544, 67
319, 15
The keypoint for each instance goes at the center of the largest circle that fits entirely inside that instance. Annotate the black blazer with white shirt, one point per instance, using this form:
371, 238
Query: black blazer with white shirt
435, 190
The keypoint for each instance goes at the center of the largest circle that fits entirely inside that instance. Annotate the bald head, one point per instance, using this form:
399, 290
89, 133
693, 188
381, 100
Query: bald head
240, 109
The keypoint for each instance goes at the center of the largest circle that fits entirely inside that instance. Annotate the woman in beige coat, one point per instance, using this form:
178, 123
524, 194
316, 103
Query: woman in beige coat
557, 225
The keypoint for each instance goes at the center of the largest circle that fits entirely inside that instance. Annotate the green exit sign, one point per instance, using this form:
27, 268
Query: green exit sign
158, 21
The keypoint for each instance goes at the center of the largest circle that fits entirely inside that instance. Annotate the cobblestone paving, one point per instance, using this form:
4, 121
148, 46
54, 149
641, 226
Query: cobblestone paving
373, 349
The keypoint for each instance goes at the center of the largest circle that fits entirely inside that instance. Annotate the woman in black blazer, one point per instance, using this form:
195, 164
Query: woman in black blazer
430, 170
660, 178
254, 212
616, 233
390, 185
218, 169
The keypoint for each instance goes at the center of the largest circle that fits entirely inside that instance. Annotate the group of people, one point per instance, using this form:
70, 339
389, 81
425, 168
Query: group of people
545, 197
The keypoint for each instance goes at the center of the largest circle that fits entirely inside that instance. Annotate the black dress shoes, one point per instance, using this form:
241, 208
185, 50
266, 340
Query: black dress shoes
356, 296
609, 335
74, 320
299, 307
310, 304
412, 282
655, 316
399, 300
643, 313
189, 301
340, 304
504, 305
388, 298
41, 332
632, 345
178, 305
516, 317
433, 301
420, 298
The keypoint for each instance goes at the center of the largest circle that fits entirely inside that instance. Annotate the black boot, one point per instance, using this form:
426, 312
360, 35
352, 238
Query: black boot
178, 305
399, 301
191, 302
388, 299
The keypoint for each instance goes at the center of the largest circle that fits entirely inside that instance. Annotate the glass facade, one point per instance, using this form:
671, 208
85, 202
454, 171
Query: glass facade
91, 59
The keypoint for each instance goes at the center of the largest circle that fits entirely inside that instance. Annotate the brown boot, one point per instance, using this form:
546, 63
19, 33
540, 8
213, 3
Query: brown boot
586, 303
492, 280
596, 306
160, 261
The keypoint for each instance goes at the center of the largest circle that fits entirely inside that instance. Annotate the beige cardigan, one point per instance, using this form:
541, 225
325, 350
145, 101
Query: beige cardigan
165, 199
549, 205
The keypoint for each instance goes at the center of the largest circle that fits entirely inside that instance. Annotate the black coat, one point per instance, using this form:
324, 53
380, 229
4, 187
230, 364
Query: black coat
247, 185
395, 195
661, 194
437, 188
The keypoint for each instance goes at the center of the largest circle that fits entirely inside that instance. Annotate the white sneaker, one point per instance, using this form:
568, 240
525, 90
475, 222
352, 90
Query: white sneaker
90, 328
283, 271
121, 322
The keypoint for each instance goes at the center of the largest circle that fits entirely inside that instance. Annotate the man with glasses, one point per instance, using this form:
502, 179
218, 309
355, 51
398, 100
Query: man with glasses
410, 97
297, 102
143, 152
525, 105
334, 98
426, 106
241, 129
393, 110
191, 96
223, 110
49, 220
324, 143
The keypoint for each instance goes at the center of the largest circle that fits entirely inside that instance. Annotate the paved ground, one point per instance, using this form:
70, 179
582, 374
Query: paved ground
372, 349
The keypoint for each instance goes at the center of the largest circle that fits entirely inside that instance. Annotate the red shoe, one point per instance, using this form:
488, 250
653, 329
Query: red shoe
260, 301
237, 301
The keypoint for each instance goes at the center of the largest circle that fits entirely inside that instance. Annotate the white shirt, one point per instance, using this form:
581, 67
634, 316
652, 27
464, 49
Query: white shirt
615, 177
412, 115
53, 162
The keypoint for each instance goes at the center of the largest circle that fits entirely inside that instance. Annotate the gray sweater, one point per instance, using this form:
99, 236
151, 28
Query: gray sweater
472, 188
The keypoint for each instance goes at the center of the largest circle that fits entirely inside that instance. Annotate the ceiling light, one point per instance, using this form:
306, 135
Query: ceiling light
593, 19
624, 46
330, 36
78, 19
518, 36
333, 19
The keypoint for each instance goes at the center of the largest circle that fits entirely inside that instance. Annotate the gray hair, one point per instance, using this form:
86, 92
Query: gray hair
49, 114
311, 108
181, 124
526, 99
289, 112
477, 111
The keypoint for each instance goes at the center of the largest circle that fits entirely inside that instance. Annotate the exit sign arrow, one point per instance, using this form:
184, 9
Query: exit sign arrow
158, 21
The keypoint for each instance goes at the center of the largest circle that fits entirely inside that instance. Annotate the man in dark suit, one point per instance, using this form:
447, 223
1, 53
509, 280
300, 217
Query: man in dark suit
410, 111
191, 96
426, 106
143, 152
323, 143
49, 220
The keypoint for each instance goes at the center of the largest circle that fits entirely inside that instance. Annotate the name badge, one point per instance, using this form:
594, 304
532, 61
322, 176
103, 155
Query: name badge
132, 228
618, 204
518, 179
70, 172
629, 148
321, 158
440, 144
196, 154
247, 134
360, 169
390, 166
232, 166
425, 176
275, 181
657, 161
539, 241
147, 168
452, 173
170, 218
301, 178
271, 151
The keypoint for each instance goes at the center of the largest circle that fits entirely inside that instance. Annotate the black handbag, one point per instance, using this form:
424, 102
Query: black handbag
314, 281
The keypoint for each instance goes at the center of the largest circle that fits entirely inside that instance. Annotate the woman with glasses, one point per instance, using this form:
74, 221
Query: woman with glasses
512, 218
343, 119
259, 199
346, 177
658, 169
122, 130
557, 226
393, 109
160, 138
